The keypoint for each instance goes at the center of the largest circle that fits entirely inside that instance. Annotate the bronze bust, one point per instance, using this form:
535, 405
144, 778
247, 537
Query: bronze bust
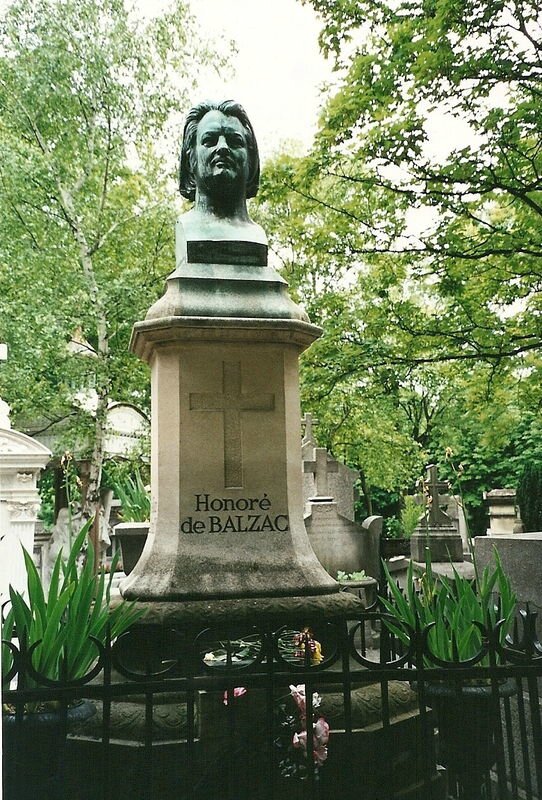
219, 170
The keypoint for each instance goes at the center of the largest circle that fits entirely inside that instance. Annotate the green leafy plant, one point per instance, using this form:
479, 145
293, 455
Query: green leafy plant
529, 496
410, 516
134, 497
392, 528
59, 624
403, 526
351, 576
452, 606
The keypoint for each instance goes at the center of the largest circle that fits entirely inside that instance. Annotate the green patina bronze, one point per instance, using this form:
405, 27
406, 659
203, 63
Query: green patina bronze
220, 253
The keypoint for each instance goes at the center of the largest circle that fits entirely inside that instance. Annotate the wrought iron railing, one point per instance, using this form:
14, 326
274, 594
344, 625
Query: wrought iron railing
190, 714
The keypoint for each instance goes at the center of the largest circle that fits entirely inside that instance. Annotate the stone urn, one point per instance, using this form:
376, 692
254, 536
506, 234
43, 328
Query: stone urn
132, 537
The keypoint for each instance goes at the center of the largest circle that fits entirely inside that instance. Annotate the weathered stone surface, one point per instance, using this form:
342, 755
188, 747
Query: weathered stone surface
521, 557
444, 543
503, 513
372, 530
252, 611
337, 542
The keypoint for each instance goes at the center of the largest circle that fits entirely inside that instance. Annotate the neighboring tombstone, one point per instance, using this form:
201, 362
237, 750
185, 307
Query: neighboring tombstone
502, 511
372, 531
127, 429
336, 539
21, 460
521, 557
340, 479
67, 526
456, 512
436, 530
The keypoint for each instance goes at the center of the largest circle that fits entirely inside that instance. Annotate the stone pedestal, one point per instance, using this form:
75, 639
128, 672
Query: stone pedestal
444, 543
503, 517
21, 460
227, 506
227, 517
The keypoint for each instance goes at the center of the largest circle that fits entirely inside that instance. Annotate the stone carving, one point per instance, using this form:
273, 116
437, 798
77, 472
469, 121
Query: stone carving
24, 477
436, 530
24, 512
65, 529
219, 169
232, 402
320, 467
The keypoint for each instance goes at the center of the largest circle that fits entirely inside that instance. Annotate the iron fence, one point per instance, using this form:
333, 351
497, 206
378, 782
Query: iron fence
190, 714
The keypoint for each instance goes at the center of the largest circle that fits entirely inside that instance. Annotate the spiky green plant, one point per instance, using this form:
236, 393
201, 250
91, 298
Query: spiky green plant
452, 606
61, 621
134, 497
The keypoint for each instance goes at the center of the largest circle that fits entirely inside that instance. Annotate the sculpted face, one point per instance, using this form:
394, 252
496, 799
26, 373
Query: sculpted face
221, 155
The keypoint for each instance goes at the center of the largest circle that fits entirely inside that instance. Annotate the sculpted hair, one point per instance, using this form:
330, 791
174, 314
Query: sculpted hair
187, 180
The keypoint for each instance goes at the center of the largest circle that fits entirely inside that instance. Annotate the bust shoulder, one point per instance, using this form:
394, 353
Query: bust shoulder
198, 226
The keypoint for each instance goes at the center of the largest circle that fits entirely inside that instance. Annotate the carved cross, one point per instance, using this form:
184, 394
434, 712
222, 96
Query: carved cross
320, 468
437, 516
309, 424
232, 402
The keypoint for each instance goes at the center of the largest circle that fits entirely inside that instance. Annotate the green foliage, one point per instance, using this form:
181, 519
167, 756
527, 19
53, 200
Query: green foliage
410, 516
529, 496
344, 577
89, 91
407, 522
418, 252
62, 621
135, 498
393, 528
453, 607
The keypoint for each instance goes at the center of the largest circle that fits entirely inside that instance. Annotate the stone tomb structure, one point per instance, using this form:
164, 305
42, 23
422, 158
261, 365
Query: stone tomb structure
227, 541
503, 513
436, 529
223, 345
21, 460
329, 495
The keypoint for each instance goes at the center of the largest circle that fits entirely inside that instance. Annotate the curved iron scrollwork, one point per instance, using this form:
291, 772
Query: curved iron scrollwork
143, 653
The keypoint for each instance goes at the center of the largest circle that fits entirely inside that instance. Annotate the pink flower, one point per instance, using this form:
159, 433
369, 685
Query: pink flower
298, 694
321, 731
300, 699
300, 740
320, 738
238, 691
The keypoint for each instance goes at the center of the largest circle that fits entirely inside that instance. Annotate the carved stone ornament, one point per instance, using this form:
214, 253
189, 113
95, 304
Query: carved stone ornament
23, 512
25, 477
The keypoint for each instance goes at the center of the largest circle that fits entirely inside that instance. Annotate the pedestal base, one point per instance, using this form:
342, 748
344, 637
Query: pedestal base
444, 544
252, 611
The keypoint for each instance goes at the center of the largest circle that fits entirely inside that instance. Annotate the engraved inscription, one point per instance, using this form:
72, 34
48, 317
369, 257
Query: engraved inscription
234, 515
232, 402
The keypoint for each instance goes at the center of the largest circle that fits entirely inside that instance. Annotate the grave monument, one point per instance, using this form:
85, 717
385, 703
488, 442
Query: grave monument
21, 461
227, 532
436, 530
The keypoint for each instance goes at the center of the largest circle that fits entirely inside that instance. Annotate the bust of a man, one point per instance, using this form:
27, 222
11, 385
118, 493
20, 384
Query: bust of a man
219, 170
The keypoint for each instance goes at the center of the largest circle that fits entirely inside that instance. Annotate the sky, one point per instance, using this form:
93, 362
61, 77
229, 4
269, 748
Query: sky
278, 68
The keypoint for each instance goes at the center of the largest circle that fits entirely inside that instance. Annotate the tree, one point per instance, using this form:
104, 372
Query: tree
415, 72
356, 402
87, 91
